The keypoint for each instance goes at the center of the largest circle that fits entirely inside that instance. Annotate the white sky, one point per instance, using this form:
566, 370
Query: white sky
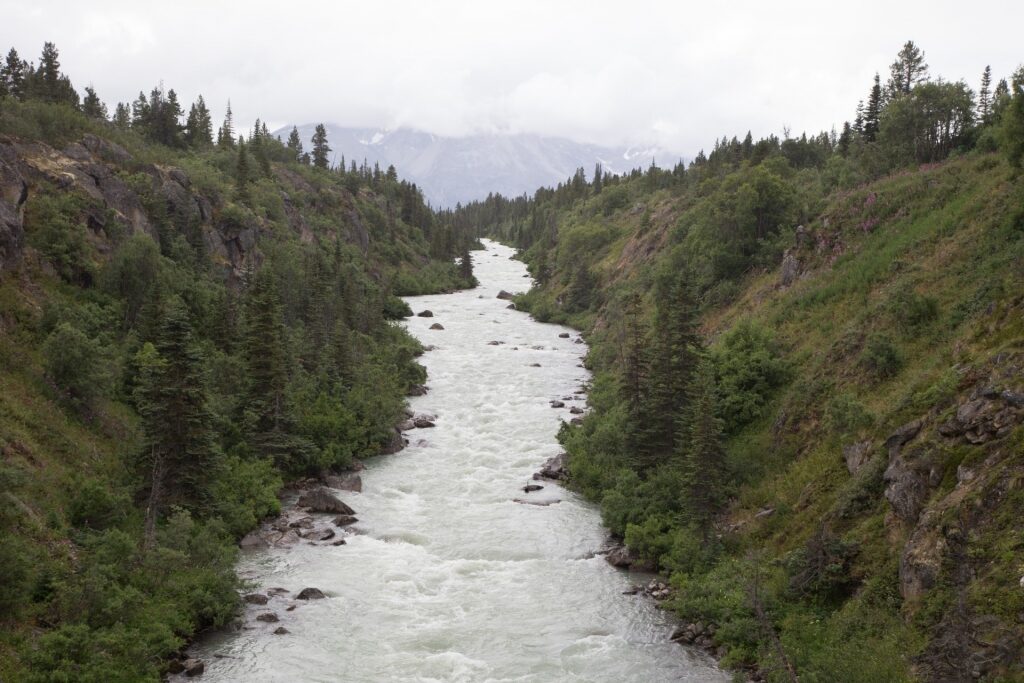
676, 74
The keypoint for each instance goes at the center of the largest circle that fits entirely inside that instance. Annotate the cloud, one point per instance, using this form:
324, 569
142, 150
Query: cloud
677, 74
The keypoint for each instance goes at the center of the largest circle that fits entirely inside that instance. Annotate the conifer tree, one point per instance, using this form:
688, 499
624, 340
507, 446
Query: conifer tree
13, 74
598, 179
873, 112
320, 148
634, 385
122, 116
242, 173
1012, 132
985, 96
257, 143
172, 399
908, 70
199, 125
92, 106
466, 268
226, 134
703, 461
295, 144
674, 350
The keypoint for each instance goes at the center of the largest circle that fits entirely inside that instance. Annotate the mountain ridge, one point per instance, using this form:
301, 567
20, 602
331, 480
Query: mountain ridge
453, 170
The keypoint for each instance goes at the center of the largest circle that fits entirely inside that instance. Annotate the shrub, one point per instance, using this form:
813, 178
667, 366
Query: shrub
74, 363
880, 357
748, 369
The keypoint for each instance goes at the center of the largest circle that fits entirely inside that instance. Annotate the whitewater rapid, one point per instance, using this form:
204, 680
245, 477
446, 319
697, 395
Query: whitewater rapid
445, 577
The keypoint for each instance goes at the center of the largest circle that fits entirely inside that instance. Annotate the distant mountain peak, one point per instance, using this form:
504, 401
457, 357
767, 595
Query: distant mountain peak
454, 170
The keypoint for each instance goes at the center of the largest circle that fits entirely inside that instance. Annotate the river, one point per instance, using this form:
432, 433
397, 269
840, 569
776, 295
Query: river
445, 577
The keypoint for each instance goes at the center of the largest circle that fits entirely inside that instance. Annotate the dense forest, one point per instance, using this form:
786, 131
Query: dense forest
185, 324
808, 390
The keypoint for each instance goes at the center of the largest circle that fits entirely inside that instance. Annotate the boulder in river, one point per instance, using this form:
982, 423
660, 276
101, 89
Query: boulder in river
256, 599
422, 422
512, 307
344, 520
311, 594
504, 295
437, 326
563, 335
194, 667
554, 468
322, 500
576, 410
268, 617
425, 314
557, 404
619, 556
417, 390
532, 487
280, 631
345, 482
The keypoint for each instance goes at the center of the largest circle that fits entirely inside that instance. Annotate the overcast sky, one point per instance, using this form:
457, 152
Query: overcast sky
677, 74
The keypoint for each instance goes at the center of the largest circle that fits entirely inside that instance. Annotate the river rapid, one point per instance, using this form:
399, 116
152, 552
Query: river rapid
445, 577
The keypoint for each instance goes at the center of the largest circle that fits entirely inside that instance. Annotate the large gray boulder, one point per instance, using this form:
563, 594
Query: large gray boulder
322, 500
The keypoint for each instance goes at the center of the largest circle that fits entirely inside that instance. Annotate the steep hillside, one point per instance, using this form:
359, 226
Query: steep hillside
808, 396
180, 332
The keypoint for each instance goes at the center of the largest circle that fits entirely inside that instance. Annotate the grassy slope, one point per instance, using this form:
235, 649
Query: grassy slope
953, 236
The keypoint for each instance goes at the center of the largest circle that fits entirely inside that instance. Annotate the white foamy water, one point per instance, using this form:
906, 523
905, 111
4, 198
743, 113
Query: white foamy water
446, 578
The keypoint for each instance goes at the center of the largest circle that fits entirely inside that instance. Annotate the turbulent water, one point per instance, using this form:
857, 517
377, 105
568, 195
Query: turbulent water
445, 577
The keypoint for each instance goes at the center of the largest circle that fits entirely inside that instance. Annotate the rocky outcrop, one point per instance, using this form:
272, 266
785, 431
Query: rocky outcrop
345, 482
13, 195
987, 414
856, 455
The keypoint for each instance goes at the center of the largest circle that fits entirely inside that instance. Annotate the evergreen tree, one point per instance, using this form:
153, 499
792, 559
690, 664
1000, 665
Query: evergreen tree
242, 173
985, 96
259, 151
320, 148
466, 268
845, 138
674, 350
226, 134
908, 70
92, 106
266, 362
295, 145
703, 461
598, 178
122, 116
12, 73
199, 125
172, 399
140, 113
858, 119
873, 112
634, 386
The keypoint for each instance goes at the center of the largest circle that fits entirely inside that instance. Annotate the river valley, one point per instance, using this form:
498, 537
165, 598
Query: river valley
445, 577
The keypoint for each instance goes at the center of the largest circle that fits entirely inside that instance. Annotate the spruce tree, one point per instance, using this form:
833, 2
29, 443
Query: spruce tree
92, 106
242, 173
466, 268
295, 145
321, 151
226, 134
703, 457
179, 449
48, 73
873, 112
985, 96
122, 116
674, 350
257, 143
13, 74
636, 369
266, 363
198, 125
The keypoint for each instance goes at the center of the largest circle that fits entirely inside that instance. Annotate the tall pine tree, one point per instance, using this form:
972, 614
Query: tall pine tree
321, 150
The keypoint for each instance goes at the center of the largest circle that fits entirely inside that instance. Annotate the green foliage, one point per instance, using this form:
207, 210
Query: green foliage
748, 369
881, 358
75, 364
55, 227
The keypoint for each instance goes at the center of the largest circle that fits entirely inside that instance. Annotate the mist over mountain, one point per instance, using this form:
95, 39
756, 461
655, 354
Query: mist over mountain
454, 170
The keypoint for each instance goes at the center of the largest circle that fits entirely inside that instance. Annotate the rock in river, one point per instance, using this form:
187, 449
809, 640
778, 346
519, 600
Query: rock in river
311, 594
437, 326
426, 314
322, 500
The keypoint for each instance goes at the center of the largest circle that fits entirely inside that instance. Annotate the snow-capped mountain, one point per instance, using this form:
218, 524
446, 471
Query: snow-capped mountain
451, 170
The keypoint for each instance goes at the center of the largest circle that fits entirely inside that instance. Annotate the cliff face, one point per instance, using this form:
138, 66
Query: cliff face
897, 310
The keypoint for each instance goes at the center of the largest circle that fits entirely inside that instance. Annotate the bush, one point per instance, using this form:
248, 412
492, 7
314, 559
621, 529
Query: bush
74, 363
748, 369
880, 357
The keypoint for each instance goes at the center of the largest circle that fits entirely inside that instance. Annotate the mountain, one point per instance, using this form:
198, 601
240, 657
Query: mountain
454, 170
